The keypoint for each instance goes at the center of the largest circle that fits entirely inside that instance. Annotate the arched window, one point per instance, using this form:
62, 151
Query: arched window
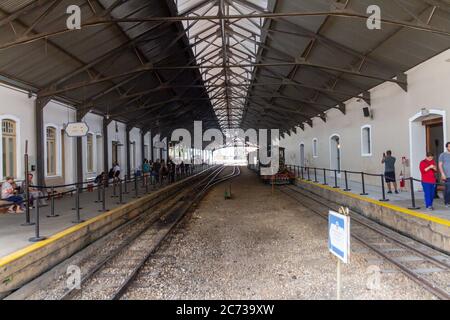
9, 148
314, 148
90, 152
366, 141
51, 151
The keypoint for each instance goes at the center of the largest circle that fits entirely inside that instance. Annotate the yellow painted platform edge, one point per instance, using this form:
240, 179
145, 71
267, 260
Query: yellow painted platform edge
383, 204
35, 246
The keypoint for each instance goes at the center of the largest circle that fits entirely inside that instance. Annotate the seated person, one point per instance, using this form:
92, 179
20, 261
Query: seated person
35, 193
101, 177
8, 194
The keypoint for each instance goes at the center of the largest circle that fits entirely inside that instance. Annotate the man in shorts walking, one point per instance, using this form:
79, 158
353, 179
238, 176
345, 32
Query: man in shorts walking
389, 170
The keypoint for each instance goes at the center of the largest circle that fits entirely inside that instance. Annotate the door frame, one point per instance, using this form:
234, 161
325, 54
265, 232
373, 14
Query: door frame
304, 155
413, 121
340, 154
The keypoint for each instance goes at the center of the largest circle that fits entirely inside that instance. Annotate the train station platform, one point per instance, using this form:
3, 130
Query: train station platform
402, 199
430, 227
21, 260
15, 236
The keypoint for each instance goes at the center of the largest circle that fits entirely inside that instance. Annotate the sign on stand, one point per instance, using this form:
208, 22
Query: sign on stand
77, 129
339, 240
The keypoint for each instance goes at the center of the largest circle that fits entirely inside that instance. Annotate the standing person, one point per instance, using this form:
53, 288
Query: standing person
155, 170
444, 168
389, 170
163, 172
146, 171
171, 168
116, 170
427, 169
9, 195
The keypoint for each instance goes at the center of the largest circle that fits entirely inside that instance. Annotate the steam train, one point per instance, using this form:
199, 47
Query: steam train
283, 176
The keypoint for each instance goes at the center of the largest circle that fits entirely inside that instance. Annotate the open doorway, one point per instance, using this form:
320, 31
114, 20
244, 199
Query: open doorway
434, 130
302, 155
427, 134
335, 153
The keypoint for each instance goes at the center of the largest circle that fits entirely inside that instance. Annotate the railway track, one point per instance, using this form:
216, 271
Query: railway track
111, 275
424, 265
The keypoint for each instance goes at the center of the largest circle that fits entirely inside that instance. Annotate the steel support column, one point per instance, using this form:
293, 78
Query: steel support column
151, 146
106, 122
40, 104
79, 145
127, 141
143, 155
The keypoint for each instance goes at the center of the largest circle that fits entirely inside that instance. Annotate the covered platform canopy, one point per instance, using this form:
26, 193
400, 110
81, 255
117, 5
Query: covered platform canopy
161, 64
255, 63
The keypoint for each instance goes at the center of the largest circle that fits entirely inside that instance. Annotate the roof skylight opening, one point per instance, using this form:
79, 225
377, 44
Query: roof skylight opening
224, 50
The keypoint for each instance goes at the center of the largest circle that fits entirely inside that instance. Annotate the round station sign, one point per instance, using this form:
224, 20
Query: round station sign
77, 129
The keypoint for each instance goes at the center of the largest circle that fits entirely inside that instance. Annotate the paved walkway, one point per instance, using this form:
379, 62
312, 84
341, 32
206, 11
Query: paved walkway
403, 199
14, 236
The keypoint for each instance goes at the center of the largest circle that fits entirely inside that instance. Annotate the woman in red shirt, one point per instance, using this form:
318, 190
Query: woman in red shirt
427, 169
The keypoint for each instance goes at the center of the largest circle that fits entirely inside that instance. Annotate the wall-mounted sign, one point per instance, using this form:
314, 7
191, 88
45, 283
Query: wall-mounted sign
77, 129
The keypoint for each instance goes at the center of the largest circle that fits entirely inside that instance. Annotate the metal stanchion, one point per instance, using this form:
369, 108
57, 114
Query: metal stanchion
346, 182
303, 175
77, 206
307, 171
77, 198
383, 191
27, 190
120, 193
413, 196
114, 195
136, 191
37, 237
99, 195
103, 209
335, 180
126, 185
325, 177
315, 175
364, 193
146, 186
52, 204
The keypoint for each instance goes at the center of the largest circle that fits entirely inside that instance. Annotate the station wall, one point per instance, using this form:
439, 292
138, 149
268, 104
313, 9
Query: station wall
397, 124
19, 106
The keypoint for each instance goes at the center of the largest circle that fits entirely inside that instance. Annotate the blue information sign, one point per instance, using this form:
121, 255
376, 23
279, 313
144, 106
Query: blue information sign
339, 235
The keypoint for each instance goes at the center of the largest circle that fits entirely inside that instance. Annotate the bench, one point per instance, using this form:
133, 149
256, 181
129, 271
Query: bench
4, 205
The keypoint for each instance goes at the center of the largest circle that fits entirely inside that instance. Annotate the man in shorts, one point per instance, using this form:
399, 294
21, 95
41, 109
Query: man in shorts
444, 169
389, 170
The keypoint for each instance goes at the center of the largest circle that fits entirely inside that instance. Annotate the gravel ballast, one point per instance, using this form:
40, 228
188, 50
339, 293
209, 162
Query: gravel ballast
260, 246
